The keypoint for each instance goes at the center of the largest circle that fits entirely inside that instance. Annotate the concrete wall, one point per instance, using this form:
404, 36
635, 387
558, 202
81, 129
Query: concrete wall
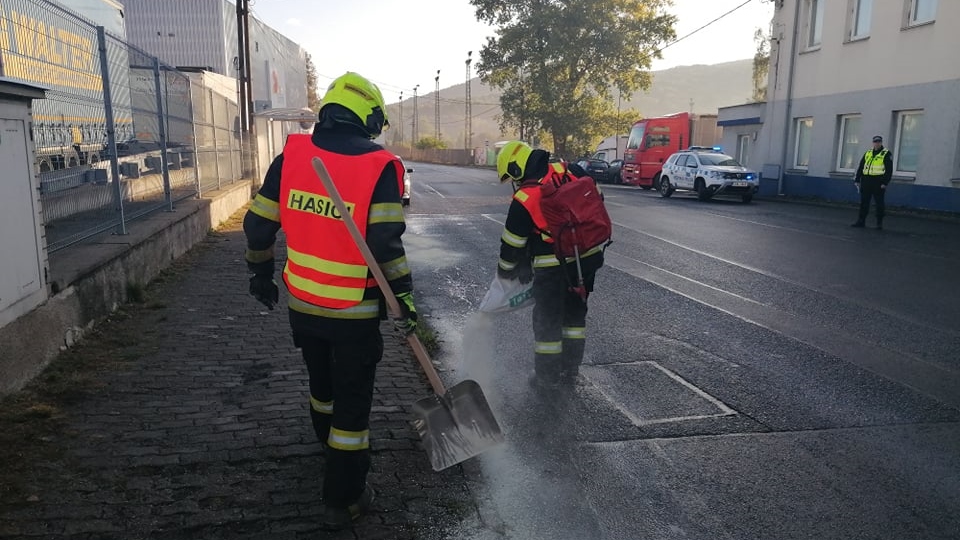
434, 155
92, 278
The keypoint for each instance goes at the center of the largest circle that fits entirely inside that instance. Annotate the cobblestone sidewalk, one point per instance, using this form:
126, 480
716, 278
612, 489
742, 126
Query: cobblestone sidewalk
184, 416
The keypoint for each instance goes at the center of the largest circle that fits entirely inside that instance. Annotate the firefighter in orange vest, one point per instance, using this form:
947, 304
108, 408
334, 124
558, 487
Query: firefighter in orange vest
335, 306
526, 252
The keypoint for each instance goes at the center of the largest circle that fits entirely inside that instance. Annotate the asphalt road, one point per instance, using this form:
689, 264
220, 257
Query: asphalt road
753, 371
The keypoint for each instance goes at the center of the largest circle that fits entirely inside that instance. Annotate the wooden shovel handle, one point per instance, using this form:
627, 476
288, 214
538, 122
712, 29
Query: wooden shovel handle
394, 307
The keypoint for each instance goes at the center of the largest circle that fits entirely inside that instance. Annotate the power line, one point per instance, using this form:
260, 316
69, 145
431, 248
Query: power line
494, 106
679, 39
479, 114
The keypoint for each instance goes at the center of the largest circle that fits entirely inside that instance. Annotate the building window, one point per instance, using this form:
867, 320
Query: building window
743, 149
848, 145
907, 142
921, 11
860, 19
801, 147
815, 22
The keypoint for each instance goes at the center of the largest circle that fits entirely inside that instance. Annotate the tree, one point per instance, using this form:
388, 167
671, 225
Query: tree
313, 99
556, 63
761, 65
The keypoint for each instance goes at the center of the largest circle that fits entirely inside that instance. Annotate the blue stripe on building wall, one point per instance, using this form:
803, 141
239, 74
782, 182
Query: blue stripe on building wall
740, 122
842, 189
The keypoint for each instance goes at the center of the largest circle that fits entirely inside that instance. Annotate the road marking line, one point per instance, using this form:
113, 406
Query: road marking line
640, 422
781, 227
778, 277
833, 237
710, 255
656, 441
926, 377
428, 186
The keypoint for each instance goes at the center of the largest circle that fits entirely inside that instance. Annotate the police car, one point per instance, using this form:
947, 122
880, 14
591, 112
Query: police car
708, 172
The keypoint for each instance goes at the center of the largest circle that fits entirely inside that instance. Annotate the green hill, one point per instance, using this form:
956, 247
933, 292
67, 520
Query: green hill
706, 87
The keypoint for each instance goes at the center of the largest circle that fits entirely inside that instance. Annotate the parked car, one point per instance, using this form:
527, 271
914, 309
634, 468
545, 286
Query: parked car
709, 173
596, 168
613, 173
407, 191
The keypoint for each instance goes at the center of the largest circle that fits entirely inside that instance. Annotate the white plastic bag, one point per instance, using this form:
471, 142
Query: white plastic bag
507, 295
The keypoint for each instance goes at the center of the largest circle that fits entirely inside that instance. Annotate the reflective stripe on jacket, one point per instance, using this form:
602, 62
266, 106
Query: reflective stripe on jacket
873, 163
324, 266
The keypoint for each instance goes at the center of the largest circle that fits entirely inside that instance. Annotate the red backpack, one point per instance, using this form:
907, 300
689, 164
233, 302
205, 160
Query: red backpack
577, 219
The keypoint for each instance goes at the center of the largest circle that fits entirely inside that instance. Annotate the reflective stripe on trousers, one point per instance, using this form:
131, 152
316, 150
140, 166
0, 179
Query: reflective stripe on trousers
347, 383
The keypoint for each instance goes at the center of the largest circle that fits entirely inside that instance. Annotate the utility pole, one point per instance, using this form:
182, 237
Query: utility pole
416, 116
246, 63
242, 66
468, 114
436, 107
401, 118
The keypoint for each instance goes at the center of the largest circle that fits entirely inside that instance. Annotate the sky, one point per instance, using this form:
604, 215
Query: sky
393, 43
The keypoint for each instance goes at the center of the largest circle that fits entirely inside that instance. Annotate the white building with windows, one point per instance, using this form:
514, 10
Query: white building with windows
842, 71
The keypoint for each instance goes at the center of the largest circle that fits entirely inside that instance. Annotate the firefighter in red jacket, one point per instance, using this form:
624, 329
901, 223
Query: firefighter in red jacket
526, 252
335, 306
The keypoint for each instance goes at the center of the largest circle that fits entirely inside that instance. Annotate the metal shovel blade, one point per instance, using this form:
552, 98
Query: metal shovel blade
456, 426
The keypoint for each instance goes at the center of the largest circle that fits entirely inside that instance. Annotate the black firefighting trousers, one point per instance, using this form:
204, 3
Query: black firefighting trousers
559, 318
342, 370
870, 187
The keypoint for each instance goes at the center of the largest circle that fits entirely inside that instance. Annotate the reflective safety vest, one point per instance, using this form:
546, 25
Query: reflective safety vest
324, 266
873, 163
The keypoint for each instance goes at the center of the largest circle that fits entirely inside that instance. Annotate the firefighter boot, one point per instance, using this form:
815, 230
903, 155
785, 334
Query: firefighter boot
546, 374
337, 518
572, 357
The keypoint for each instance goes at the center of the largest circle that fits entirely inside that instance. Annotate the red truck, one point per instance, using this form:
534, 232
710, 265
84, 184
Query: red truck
653, 140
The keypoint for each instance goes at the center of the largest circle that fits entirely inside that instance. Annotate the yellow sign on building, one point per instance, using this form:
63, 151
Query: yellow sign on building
35, 51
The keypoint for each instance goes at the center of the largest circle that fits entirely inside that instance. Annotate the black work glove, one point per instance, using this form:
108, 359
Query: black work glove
407, 323
523, 273
265, 290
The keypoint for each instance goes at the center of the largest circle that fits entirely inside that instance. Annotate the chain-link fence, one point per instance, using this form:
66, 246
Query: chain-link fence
120, 134
218, 144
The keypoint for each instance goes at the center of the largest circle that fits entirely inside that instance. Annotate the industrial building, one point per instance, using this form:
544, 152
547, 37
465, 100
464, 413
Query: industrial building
202, 34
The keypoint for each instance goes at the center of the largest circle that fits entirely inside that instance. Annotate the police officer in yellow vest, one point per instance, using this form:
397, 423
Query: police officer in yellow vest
526, 252
873, 176
335, 306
